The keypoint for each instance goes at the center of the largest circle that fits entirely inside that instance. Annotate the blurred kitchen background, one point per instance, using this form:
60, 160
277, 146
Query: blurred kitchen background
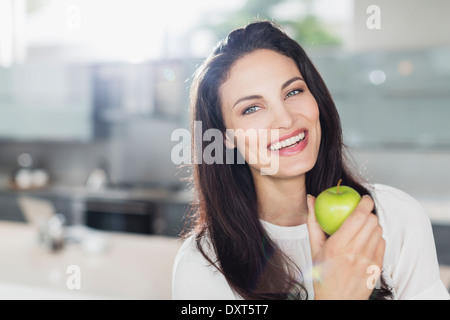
91, 91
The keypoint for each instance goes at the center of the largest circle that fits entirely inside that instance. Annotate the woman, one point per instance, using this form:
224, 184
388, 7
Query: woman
255, 234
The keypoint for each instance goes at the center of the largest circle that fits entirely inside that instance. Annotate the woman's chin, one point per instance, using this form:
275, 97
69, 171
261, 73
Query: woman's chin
282, 171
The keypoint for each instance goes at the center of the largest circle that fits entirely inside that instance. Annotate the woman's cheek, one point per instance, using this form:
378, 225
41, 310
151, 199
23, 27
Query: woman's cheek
245, 142
251, 143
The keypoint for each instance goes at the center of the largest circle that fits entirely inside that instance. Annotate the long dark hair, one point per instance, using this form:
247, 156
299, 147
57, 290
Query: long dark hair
226, 209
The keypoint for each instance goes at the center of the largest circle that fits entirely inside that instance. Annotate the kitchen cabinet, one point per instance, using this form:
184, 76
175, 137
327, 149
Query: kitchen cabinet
124, 92
9, 208
145, 211
45, 102
118, 215
139, 211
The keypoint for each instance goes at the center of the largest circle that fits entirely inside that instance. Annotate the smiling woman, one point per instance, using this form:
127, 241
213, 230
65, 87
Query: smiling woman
255, 234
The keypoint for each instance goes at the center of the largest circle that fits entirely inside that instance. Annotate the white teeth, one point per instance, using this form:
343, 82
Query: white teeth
302, 135
288, 142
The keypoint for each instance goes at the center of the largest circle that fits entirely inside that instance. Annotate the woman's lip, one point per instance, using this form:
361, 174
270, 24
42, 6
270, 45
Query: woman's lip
287, 136
297, 148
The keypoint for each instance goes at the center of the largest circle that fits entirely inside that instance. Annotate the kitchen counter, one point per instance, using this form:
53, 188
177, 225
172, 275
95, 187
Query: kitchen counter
136, 193
112, 265
166, 208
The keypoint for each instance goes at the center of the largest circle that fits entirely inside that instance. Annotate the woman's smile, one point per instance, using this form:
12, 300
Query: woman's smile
290, 144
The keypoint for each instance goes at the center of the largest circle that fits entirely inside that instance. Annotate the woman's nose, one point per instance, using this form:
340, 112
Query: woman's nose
281, 117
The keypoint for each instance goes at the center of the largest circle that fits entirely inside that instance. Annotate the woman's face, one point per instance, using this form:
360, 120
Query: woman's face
273, 116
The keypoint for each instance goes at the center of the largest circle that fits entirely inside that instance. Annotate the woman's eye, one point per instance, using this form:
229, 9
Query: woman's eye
293, 92
251, 109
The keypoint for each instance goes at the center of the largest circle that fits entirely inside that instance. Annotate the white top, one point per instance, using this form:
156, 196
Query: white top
410, 261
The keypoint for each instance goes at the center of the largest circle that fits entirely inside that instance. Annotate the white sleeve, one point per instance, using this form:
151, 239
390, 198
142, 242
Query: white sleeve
194, 278
410, 257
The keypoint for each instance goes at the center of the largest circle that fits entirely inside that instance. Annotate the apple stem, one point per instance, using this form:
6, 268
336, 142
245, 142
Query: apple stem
339, 183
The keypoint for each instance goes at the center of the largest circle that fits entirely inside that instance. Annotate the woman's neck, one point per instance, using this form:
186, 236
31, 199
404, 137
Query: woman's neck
281, 201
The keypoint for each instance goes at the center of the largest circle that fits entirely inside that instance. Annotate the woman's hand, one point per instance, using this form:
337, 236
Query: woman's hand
343, 263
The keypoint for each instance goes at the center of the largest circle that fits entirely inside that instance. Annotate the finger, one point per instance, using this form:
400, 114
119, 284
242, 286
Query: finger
362, 238
316, 235
379, 253
356, 220
375, 243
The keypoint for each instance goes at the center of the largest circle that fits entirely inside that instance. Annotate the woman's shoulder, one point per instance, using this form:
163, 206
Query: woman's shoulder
410, 256
395, 204
194, 276
399, 213
402, 217
191, 254
386, 192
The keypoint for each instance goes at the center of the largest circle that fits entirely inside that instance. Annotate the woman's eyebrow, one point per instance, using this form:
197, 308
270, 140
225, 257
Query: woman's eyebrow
287, 83
246, 98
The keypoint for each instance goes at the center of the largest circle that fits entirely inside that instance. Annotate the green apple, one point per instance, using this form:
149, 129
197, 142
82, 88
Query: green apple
334, 205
